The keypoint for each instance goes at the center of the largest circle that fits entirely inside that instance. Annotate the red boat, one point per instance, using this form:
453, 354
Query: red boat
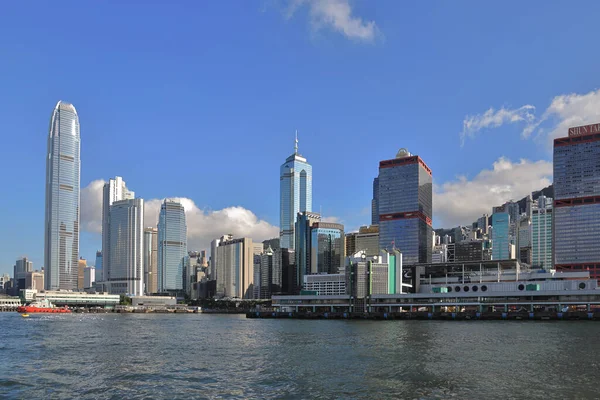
43, 306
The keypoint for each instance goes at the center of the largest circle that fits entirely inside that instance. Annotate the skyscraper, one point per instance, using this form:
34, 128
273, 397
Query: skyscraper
295, 194
235, 268
375, 203
151, 260
405, 207
113, 190
172, 246
127, 247
22, 267
61, 223
577, 200
541, 226
304, 223
501, 236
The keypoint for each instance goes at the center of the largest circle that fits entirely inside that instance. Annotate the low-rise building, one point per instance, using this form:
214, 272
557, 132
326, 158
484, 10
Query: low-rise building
153, 301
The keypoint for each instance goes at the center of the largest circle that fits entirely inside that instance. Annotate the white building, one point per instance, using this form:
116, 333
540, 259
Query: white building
326, 284
126, 247
89, 277
114, 190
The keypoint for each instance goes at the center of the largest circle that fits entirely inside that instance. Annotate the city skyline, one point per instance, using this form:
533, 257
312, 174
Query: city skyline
494, 125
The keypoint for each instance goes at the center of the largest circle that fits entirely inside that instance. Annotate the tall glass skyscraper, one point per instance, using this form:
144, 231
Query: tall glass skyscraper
541, 223
113, 190
172, 246
405, 207
375, 203
127, 247
295, 194
61, 223
577, 200
501, 236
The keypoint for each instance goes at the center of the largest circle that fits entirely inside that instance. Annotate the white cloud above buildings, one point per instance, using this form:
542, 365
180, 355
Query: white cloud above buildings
336, 15
473, 124
564, 111
203, 225
463, 200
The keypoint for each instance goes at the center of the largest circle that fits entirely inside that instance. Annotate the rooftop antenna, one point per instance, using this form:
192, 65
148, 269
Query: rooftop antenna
296, 143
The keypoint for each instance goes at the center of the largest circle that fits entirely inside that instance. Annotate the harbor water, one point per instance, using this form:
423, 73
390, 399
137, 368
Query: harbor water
200, 356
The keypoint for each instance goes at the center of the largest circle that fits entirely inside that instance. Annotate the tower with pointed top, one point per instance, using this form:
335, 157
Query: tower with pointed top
295, 192
61, 222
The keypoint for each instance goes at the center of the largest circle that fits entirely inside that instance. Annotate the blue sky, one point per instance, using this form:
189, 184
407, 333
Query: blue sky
200, 100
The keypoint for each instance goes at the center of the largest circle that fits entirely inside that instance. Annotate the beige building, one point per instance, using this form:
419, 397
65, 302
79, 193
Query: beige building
35, 280
151, 260
81, 266
235, 267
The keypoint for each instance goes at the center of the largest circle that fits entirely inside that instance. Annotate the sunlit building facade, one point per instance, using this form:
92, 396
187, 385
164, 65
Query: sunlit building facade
114, 190
172, 246
405, 207
151, 260
501, 236
295, 194
127, 247
541, 237
61, 223
577, 200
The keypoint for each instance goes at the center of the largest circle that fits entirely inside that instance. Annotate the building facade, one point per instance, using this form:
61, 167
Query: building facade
500, 236
304, 223
172, 246
327, 248
405, 207
375, 203
22, 267
235, 268
113, 190
577, 200
127, 247
61, 223
367, 240
150, 260
295, 194
99, 266
541, 228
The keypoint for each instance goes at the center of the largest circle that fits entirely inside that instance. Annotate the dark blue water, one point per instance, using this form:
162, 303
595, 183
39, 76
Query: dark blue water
113, 356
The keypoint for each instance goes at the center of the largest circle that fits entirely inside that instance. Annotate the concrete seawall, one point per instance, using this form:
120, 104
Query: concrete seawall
446, 316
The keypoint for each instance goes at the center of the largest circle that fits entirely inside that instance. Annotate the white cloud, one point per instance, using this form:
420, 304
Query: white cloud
564, 112
464, 200
472, 124
336, 15
203, 226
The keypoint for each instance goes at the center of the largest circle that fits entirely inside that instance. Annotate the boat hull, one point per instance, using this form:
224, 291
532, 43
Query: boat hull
38, 310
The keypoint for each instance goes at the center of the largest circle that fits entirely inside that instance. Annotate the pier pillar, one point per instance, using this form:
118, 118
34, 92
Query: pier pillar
390, 309
589, 307
314, 309
506, 308
331, 308
531, 307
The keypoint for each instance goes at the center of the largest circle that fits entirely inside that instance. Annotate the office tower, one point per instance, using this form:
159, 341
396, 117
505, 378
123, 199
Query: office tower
213, 258
89, 277
512, 209
235, 268
367, 240
61, 224
274, 243
524, 239
81, 266
35, 280
327, 248
500, 236
405, 207
127, 247
351, 243
483, 223
22, 267
113, 190
541, 227
375, 203
577, 200
172, 246
304, 222
99, 266
190, 271
150, 260
267, 284
203, 258
295, 194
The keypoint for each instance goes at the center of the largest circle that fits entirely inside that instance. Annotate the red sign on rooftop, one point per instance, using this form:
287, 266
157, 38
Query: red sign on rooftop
584, 130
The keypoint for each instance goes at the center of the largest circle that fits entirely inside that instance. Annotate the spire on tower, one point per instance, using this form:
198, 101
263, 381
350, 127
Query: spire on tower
296, 143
